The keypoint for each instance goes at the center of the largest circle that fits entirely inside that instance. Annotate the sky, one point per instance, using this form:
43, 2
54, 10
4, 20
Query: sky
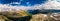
29, 4
23, 2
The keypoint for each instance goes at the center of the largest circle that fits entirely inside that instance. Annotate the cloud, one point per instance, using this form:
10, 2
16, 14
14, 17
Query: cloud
15, 3
5, 7
51, 4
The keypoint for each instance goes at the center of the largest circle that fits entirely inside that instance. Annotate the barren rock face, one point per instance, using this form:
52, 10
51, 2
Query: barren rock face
37, 17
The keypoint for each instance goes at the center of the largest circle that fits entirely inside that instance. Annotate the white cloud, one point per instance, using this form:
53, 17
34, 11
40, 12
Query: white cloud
15, 3
5, 7
47, 5
51, 4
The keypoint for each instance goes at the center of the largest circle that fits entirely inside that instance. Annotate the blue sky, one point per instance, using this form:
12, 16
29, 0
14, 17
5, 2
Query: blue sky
23, 2
35, 4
